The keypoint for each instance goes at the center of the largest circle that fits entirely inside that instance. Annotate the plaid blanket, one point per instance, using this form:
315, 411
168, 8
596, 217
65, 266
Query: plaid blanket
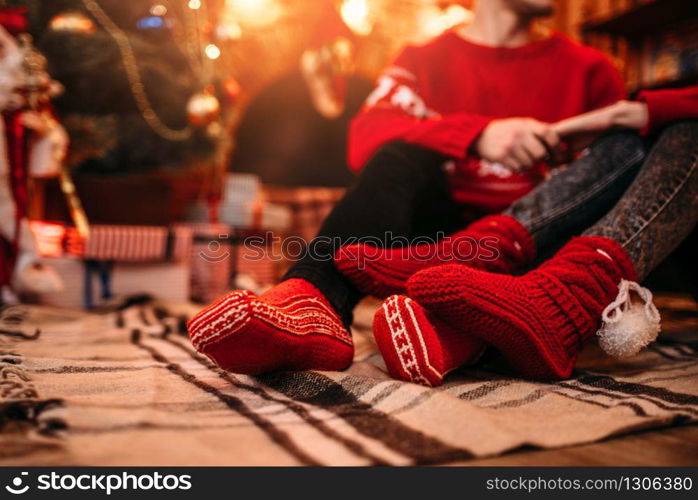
125, 388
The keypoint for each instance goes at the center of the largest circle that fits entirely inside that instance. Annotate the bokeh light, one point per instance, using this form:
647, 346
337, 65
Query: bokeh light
212, 51
158, 10
436, 20
74, 22
254, 12
357, 16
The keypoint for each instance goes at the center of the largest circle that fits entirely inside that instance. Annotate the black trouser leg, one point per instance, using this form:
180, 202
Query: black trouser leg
402, 192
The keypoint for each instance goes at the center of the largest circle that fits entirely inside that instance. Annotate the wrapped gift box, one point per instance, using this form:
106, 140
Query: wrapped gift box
212, 261
242, 187
91, 283
223, 257
256, 215
116, 261
308, 207
258, 256
244, 206
245, 249
138, 243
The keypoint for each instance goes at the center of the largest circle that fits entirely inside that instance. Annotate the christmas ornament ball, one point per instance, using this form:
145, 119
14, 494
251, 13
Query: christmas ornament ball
202, 108
72, 22
231, 90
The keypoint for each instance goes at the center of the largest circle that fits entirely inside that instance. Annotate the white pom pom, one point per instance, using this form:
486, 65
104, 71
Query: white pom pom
629, 326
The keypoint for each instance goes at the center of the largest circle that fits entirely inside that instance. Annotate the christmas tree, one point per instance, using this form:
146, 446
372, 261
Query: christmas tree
130, 68
107, 65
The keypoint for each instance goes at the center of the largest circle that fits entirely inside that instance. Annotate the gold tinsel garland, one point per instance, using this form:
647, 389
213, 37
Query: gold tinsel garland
134, 77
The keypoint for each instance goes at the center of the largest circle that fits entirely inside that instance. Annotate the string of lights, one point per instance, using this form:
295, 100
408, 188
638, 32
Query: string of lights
134, 77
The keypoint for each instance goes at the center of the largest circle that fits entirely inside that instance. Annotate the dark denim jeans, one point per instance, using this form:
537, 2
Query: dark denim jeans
646, 202
660, 208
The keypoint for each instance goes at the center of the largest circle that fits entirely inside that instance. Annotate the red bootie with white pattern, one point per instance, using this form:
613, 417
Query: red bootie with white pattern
288, 328
417, 347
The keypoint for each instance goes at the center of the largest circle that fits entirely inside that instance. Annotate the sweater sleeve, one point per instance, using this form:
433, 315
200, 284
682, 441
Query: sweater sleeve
604, 85
668, 105
398, 110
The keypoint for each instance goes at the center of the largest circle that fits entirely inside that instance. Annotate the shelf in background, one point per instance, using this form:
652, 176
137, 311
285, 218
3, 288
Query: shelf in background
683, 81
645, 19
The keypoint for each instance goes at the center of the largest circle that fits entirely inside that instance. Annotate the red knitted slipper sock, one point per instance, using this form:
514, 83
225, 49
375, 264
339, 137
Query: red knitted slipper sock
538, 321
419, 348
496, 243
290, 327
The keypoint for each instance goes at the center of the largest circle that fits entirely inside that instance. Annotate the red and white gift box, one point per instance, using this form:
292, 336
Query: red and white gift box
138, 243
116, 261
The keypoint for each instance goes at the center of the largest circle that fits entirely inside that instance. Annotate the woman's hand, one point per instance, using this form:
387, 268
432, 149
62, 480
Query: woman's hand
516, 143
627, 114
581, 130
632, 114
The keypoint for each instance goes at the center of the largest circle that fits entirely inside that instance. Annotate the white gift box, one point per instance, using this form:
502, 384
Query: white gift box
91, 283
117, 261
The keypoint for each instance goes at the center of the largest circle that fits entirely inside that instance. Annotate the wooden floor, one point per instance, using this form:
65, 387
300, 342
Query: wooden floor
677, 446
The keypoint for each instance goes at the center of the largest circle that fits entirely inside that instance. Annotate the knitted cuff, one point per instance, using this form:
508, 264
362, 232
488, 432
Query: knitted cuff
596, 265
613, 250
516, 244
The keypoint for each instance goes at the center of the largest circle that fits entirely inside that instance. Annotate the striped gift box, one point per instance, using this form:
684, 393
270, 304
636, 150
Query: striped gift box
115, 243
132, 243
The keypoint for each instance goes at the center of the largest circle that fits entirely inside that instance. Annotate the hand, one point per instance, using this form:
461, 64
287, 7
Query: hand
632, 114
628, 114
516, 143
581, 130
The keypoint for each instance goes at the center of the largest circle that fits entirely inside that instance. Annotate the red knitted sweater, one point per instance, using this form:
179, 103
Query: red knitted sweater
668, 105
443, 94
